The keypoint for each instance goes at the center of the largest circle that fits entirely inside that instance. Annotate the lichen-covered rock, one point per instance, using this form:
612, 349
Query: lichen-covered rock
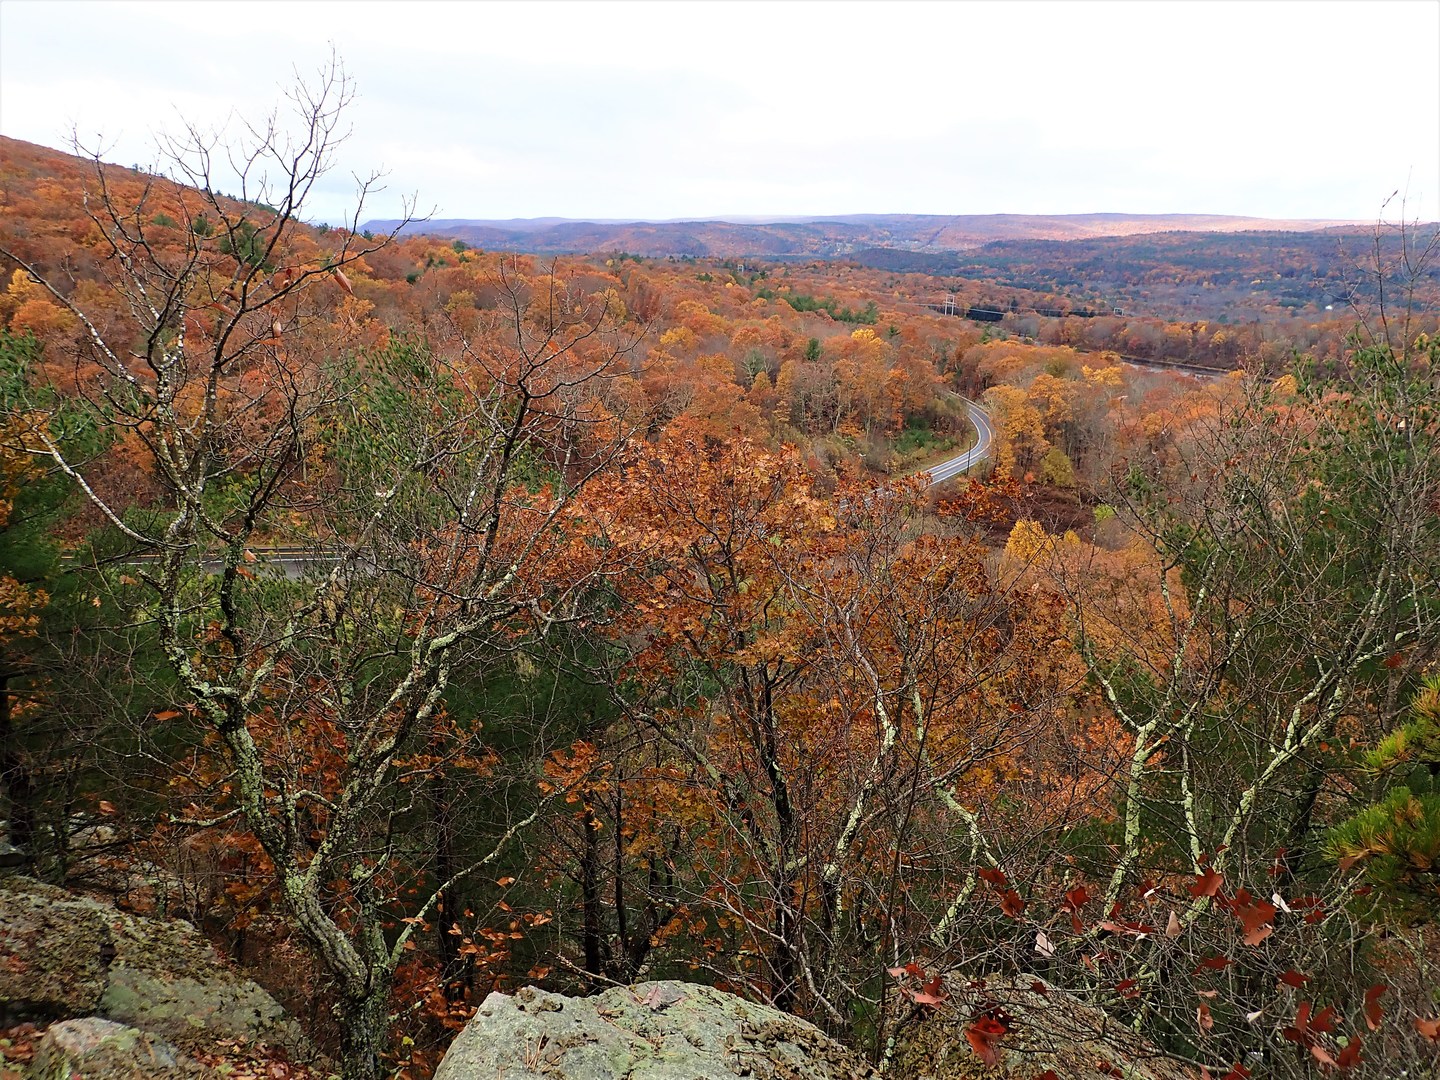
652, 1031
53, 948
95, 1049
1044, 1029
63, 955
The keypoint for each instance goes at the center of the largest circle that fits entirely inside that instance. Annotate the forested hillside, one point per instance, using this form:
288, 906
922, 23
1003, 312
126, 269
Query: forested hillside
419, 620
837, 235
1176, 266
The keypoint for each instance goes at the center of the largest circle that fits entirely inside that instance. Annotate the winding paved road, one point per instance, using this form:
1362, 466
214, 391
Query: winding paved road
953, 467
293, 562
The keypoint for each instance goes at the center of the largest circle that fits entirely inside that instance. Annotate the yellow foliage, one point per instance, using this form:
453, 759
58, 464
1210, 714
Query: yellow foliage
1054, 398
1020, 429
1027, 539
23, 287
615, 305
678, 338
1112, 376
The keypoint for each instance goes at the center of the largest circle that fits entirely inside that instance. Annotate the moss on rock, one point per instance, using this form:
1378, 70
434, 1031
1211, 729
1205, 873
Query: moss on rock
65, 955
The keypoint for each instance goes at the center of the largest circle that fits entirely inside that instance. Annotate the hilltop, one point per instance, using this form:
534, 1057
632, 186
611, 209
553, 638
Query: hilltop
830, 236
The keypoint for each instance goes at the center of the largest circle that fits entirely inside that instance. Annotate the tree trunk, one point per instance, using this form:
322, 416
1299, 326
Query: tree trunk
19, 788
590, 895
363, 1036
783, 962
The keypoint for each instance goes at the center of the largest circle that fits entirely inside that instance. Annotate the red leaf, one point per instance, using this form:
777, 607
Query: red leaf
1294, 978
993, 876
1350, 1056
1203, 1018
1319, 1053
1207, 884
1048, 1074
1255, 919
1237, 1072
1040, 988
1373, 1011
1076, 898
1298, 1032
1214, 963
984, 1037
1129, 988
1011, 904
1395, 659
932, 992
1428, 1028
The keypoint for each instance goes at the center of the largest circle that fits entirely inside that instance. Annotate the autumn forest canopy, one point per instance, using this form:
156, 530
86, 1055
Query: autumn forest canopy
419, 616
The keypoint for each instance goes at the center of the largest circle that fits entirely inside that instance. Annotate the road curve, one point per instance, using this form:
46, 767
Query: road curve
953, 467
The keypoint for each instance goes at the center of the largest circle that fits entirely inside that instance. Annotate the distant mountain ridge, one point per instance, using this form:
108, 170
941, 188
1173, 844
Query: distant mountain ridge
825, 236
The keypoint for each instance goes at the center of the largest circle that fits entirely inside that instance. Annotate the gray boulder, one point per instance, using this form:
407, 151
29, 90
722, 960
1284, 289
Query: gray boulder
65, 955
95, 1049
52, 947
651, 1031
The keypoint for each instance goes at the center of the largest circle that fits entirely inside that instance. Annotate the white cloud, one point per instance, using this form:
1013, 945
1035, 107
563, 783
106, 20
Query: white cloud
694, 109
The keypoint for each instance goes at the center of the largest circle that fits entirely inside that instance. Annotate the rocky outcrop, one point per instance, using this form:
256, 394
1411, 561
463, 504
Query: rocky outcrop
652, 1031
64, 955
1029, 1028
95, 1049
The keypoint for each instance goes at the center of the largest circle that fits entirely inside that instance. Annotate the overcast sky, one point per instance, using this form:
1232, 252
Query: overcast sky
690, 109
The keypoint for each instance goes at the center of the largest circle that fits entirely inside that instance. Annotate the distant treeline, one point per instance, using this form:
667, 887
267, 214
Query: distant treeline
1240, 276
